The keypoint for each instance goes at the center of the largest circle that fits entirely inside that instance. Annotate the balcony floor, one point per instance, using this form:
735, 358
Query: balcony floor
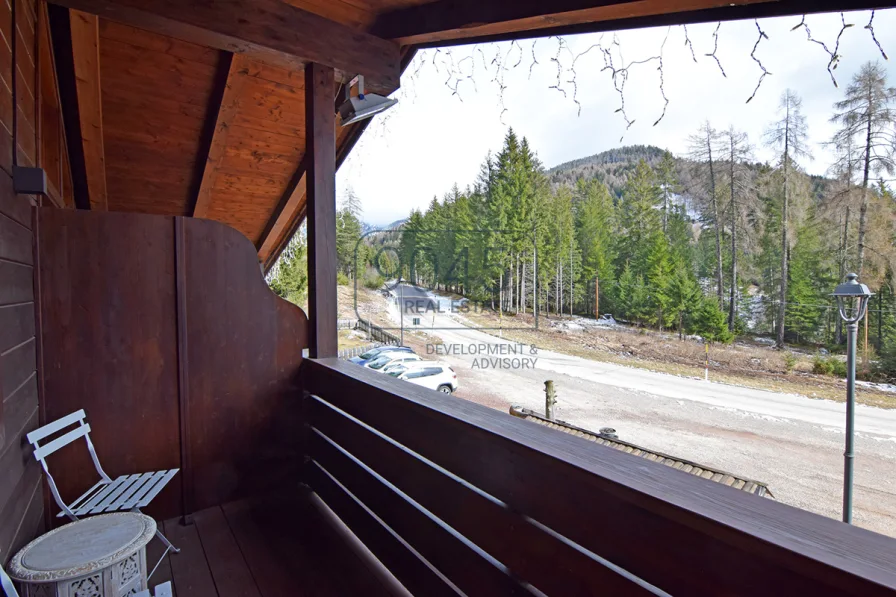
268, 547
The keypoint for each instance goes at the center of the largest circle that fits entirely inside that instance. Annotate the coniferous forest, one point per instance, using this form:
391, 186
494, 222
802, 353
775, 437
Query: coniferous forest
711, 242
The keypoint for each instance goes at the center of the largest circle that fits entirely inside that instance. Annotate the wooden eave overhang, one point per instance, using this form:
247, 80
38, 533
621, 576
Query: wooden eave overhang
198, 108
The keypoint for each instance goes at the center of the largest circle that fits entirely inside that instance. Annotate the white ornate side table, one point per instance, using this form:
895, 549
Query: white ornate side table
101, 556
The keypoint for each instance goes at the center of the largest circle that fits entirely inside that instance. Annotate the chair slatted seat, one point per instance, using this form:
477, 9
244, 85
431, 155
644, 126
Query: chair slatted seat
125, 493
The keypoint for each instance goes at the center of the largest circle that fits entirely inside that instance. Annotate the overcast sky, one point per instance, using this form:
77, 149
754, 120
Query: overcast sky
434, 137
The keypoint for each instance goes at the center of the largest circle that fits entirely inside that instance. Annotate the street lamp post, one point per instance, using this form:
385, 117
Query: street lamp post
852, 302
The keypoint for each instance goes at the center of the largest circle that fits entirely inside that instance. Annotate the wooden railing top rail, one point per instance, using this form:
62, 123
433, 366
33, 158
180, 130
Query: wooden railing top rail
527, 498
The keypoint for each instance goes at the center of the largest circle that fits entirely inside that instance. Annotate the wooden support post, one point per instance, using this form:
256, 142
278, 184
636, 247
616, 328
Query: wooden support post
550, 399
320, 157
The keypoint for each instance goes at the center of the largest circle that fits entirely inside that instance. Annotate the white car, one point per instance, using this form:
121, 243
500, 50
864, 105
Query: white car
435, 376
391, 358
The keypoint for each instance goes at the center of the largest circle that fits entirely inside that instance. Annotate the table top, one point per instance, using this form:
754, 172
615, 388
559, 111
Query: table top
82, 547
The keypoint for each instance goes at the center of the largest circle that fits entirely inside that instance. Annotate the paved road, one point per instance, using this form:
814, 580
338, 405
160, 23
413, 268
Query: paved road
793, 443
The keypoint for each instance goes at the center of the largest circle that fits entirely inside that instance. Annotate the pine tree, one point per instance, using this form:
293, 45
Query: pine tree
289, 277
789, 135
866, 114
741, 202
594, 230
667, 177
348, 237
704, 151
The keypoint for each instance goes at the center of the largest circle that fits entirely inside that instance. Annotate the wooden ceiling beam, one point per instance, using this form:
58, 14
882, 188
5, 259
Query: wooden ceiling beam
269, 31
85, 39
237, 73
451, 22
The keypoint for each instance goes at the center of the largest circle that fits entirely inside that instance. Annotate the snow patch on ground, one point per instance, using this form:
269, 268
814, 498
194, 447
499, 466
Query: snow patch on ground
880, 387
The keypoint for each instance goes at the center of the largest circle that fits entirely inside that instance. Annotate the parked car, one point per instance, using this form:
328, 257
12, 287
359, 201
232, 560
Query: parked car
391, 358
371, 354
435, 376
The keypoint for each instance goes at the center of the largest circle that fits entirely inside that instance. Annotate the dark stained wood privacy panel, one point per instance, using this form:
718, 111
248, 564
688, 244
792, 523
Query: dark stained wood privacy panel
165, 332
244, 346
110, 342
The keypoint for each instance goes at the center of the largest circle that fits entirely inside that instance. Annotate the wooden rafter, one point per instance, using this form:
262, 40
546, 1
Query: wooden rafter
86, 62
288, 220
286, 210
230, 102
270, 31
449, 22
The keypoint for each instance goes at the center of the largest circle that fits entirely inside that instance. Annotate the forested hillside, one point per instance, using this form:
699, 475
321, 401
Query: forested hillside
710, 242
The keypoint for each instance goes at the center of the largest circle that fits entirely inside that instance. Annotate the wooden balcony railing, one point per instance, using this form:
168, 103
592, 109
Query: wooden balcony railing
451, 495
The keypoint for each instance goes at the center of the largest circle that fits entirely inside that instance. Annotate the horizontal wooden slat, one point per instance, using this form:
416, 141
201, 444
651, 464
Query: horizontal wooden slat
531, 554
450, 22
15, 241
16, 325
409, 568
16, 283
647, 518
13, 460
19, 415
17, 366
20, 507
14, 206
465, 567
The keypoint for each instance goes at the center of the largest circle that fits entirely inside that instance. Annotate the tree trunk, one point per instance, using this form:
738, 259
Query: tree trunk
844, 248
523, 286
510, 284
732, 307
782, 306
715, 213
560, 292
863, 210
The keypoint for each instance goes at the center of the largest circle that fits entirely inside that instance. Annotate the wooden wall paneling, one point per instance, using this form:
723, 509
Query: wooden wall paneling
6, 85
24, 92
109, 343
244, 348
156, 96
225, 111
320, 148
85, 36
269, 31
21, 500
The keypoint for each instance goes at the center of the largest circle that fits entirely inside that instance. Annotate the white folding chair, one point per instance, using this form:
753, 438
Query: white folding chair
126, 493
6, 584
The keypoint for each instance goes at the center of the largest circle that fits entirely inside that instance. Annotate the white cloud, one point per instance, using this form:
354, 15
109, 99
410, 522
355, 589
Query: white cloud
434, 138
